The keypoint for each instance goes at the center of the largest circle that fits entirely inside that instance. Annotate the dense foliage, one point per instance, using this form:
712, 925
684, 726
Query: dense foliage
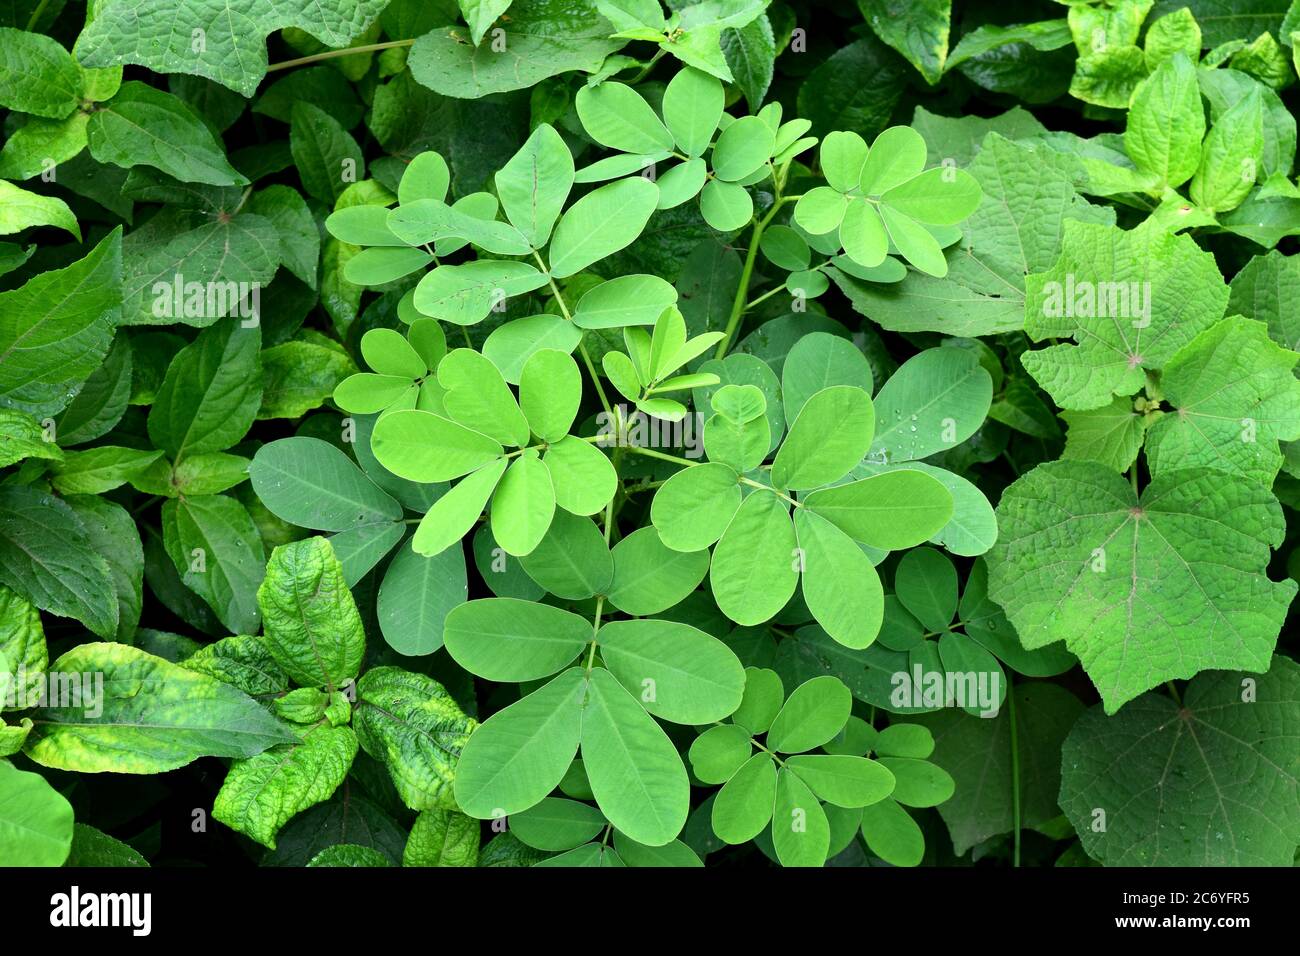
598, 432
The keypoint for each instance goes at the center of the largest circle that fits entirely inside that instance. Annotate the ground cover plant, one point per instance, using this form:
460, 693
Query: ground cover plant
614, 433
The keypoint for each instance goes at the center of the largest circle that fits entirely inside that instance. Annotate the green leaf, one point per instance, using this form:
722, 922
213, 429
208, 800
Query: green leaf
815, 712
1129, 299
678, 672
550, 389
817, 361
56, 329
624, 300
572, 561
719, 752
936, 399
1112, 435
764, 695
750, 52
150, 716
743, 807
1166, 123
100, 469
310, 483
312, 626
349, 855
504, 639
423, 447
481, 14
442, 838
693, 104
649, 577
1204, 783
143, 126
300, 375
417, 594
753, 572
895, 510
521, 752
523, 505
48, 555
556, 824
800, 831
584, 480
977, 752
831, 434
261, 794
675, 854
91, 847
327, 156
1233, 394
1231, 156
618, 117
726, 206
22, 436
454, 514
919, 31
465, 294
211, 393
411, 724
892, 834
601, 223
742, 148
635, 772
926, 584
35, 819
1144, 589
535, 183
233, 52
24, 210
37, 75
843, 781
542, 39
840, 585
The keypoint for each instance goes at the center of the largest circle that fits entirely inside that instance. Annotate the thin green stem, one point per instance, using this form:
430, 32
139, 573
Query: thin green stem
645, 71
595, 629
1133, 477
758, 484
1173, 691
331, 54
663, 456
1015, 774
582, 345
742, 292
36, 15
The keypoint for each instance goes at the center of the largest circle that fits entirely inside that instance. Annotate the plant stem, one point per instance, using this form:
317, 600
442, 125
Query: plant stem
738, 303
595, 629
36, 15
582, 345
1015, 774
758, 484
651, 453
331, 54
1173, 691
645, 70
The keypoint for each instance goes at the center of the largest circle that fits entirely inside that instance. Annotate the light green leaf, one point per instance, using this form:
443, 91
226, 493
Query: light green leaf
535, 183
521, 752
1231, 156
753, 572
35, 819
56, 329
1130, 299
635, 772
152, 716
310, 483
919, 31
454, 514
678, 672
1166, 123
815, 712
504, 639
693, 103
550, 389
523, 505
442, 838
21, 209
831, 434
895, 510
840, 585
800, 832
1144, 589
261, 794
583, 478
743, 807
312, 626
572, 561
892, 834
625, 300
719, 752
618, 117
1233, 396
464, 294
556, 824
843, 780
601, 223
421, 446
649, 577
411, 724
742, 148
1112, 435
